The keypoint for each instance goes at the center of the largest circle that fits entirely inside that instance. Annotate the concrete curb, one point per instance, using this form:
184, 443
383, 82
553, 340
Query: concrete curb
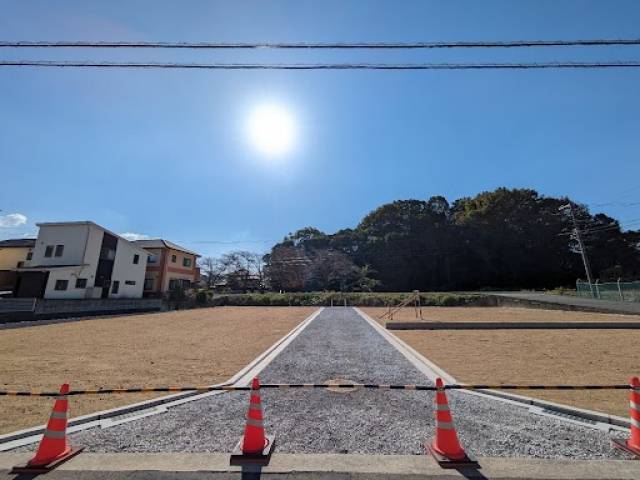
434, 325
18, 438
432, 371
423, 364
325, 466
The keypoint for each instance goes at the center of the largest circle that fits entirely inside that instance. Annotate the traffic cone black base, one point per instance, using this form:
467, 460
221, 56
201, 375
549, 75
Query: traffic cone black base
445, 462
263, 458
622, 445
49, 466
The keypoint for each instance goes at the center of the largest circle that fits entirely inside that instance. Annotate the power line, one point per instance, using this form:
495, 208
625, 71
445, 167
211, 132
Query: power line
321, 66
331, 45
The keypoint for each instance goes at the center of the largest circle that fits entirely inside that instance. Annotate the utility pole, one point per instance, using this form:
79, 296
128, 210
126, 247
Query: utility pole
583, 251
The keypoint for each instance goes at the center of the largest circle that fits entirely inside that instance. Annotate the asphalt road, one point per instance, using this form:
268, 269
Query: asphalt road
339, 344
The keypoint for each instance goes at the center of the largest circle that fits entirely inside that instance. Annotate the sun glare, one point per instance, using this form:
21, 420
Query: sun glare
272, 129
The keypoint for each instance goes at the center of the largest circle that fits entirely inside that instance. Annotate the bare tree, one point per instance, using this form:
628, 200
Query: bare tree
244, 270
214, 268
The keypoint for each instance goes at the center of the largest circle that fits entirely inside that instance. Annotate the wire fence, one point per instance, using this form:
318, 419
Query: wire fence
617, 291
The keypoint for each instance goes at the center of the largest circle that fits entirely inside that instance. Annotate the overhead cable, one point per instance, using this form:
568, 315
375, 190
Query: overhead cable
321, 45
320, 66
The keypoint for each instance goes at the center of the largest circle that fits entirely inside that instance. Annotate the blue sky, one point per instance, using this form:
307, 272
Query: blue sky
165, 153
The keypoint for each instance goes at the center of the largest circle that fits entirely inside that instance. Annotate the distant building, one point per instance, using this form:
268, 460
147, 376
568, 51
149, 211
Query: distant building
169, 266
73, 260
15, 253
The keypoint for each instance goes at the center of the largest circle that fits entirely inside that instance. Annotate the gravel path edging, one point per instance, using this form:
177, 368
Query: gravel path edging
27, 436
591, 415
423, 364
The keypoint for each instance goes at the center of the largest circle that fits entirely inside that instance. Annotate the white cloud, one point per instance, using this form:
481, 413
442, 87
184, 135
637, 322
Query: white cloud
12, 220
134, 236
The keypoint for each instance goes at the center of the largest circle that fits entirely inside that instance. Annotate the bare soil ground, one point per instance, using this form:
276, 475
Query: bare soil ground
189, 347
497, 314
532, 356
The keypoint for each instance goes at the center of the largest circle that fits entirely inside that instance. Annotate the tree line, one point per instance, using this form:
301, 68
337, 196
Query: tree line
506, 238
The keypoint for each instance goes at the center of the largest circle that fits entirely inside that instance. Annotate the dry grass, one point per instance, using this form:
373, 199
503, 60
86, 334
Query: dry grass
497, 314
533, 356
189, 347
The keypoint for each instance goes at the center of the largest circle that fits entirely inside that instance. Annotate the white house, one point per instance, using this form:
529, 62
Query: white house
74, 260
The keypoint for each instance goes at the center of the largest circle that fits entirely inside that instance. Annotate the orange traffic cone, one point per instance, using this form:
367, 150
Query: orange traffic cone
54, 447
446, 448
633, 444
254, 447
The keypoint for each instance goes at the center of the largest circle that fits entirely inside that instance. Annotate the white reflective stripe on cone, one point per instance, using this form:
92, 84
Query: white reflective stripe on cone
61, 397
633, 405
254, 423
58, 415
53, 434
444, 425
442, 408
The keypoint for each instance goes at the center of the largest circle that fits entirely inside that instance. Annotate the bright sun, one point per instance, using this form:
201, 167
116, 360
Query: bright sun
272, 129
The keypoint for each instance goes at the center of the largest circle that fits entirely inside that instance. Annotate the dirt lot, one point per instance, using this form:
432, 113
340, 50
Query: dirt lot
203, 346
497, 314
533, 356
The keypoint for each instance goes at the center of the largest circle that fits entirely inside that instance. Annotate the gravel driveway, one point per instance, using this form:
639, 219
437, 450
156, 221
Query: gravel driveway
340, 344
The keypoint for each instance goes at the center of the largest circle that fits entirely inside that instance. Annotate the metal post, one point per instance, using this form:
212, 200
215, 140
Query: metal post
345, 303
620, 291
583, 251
597, 289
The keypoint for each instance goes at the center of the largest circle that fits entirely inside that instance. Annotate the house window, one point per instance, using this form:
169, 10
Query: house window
186, 262
186, 284
152, 259
136, 259
29, 256
115, 287
148, 283
48, 252
129, 282
61, 284
59, 250
173, 258
81, 283
173, 284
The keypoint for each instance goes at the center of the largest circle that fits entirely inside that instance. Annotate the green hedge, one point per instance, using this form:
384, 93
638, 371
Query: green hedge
353, 299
